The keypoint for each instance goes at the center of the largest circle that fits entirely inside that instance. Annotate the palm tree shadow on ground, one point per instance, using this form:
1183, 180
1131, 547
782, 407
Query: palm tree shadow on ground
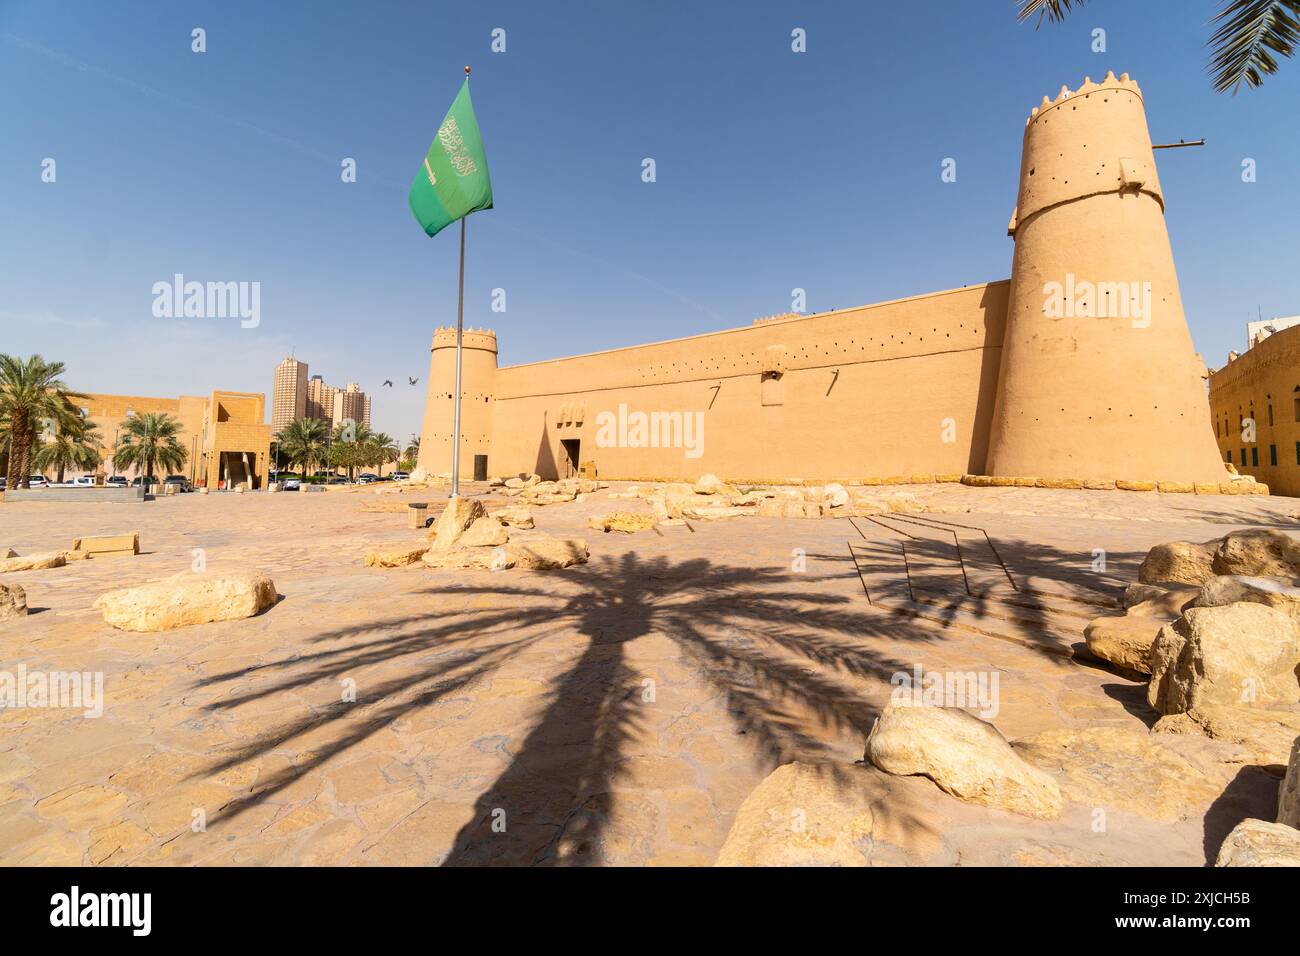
783, 660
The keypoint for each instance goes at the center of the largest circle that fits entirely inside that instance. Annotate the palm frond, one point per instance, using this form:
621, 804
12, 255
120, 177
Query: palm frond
1250, 32
1053, 11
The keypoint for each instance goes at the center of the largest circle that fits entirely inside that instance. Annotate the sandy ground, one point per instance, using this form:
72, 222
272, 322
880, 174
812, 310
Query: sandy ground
613, 713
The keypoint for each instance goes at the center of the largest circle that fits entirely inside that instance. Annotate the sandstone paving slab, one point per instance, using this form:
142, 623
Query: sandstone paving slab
619, 712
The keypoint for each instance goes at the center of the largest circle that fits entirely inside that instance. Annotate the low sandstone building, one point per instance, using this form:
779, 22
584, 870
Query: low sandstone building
1255, 405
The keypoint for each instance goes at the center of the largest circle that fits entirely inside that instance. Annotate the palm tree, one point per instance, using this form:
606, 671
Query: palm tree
382, 448
72, 446
347, 446
150, 441
303, 441
1250, 32
31, 393
412, 454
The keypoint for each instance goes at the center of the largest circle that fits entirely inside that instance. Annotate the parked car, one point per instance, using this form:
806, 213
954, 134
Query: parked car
399, 475
292, 484
180, 481
366, 478
38, 481
337, 480
115, 481
2, 482
138, 480
82, 481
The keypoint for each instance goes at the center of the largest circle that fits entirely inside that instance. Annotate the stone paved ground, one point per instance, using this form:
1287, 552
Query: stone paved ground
613, 713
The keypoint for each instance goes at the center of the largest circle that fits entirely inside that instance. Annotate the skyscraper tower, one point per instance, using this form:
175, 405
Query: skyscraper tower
289, 394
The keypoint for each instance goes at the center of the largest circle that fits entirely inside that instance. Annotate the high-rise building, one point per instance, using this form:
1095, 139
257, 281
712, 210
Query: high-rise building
297, 395
320, 399
351, 404
289, 396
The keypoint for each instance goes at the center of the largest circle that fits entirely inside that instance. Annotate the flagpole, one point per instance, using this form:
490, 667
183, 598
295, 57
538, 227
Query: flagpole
460, 324
460, 314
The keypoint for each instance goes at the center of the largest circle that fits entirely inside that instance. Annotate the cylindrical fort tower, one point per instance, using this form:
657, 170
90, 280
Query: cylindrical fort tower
1099, 379
477, 391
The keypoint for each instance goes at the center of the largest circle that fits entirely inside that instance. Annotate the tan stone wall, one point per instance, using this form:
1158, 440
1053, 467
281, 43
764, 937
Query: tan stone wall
108, 412
862, 392
1263, 379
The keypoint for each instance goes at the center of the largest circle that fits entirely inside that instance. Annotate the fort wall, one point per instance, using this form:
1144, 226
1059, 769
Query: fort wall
897, 388
1030, 379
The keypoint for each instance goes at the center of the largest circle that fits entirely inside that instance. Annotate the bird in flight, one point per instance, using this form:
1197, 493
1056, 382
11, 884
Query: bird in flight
412, 380
388, 382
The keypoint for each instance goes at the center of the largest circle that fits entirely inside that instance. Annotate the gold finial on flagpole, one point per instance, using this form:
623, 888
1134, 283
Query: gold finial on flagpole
466, 71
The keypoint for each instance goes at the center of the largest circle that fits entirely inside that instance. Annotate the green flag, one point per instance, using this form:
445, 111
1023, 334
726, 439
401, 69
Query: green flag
453, 181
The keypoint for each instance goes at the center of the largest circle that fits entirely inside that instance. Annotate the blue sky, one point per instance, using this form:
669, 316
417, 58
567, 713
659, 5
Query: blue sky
775, 170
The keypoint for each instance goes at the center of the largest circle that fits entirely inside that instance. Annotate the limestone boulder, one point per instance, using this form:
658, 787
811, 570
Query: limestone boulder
34, 562
802, 815
713, 485
516, 516
544, 553
714, 512
1150, 600
188, 598
549, 497
671, 500
485, 532
454, 521
1288, 798
1122, 768
965, 756
462, 559
394, 555
868, 506
835, 496
1259, 843
7, 553
1259, 552
1178, 562
1276, 592
1124, 640
788, 508
13, 601
628, 522
1138, 593
1239, 655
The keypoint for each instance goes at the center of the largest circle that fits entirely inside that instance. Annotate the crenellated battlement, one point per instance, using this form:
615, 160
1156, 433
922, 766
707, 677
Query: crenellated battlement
1087, 142
1086, 89
445, 337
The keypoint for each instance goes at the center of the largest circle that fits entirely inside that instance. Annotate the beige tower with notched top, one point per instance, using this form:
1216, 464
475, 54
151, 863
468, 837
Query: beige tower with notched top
1099, 379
